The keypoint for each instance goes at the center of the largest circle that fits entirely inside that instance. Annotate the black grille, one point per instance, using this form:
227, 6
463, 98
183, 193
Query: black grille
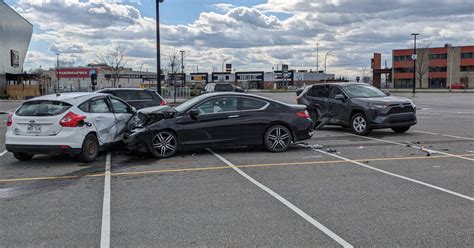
398, 110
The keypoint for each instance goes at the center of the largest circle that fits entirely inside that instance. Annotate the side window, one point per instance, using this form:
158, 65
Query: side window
318, 91
249, 104
123, 94
334, 90
84, 106
118, 106
218, 105
99, 106
144, 95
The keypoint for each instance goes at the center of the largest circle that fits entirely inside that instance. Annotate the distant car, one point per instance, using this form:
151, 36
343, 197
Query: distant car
219, 120
457, 86
221, 87
360, 106
138, 98
78, 124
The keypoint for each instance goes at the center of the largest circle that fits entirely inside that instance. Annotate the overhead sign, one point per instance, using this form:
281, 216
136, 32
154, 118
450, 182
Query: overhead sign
14, 58
75, 72
131, 76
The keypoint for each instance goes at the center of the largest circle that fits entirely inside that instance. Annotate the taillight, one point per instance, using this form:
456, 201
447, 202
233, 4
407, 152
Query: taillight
303, 114
163, 103
71, 120
9, 120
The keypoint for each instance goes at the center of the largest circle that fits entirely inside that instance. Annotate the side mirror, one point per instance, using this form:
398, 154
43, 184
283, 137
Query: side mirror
339, 97
194, 112
132, 110
387, 93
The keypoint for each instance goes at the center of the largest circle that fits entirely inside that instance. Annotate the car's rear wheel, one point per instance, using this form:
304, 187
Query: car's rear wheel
23, 156
359, 124
314, 117
90, 149
400, 129
163, 144
277, 138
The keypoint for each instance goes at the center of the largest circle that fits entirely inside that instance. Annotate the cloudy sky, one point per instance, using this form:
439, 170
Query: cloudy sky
252, 34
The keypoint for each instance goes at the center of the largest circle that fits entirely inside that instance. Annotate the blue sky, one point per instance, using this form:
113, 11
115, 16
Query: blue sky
253, 34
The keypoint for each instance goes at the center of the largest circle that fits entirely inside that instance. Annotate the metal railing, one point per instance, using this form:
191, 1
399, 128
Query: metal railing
176, 92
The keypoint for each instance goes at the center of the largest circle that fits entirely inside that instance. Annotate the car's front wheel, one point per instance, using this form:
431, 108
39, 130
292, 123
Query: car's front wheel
163, 144
23, 156
90, 149
400, 129
277, 138
359, 124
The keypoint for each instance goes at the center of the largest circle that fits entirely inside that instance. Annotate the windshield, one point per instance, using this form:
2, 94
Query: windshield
186, 105
42, 108
363, 91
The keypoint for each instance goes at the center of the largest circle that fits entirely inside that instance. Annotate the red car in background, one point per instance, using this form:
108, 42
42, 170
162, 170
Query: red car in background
457, 86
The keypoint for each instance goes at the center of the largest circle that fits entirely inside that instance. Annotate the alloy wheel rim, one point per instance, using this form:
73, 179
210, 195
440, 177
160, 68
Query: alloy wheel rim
164, 143
359, 124
278, 137
90, 147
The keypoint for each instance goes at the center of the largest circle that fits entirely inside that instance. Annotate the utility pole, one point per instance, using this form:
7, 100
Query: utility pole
182, 61
158, 50
414, 58
57, 67
317, 57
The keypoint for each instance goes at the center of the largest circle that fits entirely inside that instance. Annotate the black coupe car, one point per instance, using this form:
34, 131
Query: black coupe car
360, 106
218, 120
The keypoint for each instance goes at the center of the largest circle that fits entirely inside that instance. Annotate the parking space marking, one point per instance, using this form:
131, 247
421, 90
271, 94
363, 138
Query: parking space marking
413, 146
105, 230
445, 135
399, 176
132, 173
295, 209
3, 153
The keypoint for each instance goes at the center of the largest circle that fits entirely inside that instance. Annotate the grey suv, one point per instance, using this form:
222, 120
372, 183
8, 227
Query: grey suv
359, 106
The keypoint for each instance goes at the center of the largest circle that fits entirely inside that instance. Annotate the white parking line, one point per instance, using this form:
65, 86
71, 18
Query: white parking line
445, 135
399, 176
3, 153
295, 209
105, 231
413, 146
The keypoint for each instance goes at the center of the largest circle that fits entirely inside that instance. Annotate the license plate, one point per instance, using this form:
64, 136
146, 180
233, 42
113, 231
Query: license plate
34, 129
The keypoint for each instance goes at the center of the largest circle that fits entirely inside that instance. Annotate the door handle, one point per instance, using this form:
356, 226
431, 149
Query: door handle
233, 116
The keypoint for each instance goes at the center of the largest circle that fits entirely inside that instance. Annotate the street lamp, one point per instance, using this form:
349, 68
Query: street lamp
182, 61
317, 57
158, 52
450, 65
414, 57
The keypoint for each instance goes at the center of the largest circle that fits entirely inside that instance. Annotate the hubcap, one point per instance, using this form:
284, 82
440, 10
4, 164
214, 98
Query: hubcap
278, 139
359, 124
164, 143
90, 147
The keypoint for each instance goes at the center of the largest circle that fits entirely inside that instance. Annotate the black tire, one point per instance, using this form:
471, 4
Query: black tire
314, 117
400, 129
89, 150
23, 156
277, 138
163, 144
359, 124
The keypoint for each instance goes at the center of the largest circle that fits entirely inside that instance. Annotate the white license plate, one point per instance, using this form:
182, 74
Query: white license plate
34, 129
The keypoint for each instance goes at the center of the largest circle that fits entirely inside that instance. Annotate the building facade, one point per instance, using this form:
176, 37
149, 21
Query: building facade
437, 67
15, 36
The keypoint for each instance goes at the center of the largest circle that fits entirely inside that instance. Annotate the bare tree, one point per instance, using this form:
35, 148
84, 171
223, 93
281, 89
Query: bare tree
422, 61
173, 65
467, 75
114, 59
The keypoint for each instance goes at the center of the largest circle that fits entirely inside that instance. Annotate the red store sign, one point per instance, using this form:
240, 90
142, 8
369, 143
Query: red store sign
76, 72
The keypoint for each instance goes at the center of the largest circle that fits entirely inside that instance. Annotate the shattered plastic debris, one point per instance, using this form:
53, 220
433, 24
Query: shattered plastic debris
331, 150
314, 146
360, 147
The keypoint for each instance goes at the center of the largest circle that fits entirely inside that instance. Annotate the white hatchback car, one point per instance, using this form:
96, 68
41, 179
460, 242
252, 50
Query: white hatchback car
78, 124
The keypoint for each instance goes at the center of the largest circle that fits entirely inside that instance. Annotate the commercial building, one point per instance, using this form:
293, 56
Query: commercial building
15, 36
436, 67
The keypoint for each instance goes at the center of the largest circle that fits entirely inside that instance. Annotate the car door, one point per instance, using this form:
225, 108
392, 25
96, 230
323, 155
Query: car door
103, 119
254, 119
338, 109
123, 113
218, 123
318, 100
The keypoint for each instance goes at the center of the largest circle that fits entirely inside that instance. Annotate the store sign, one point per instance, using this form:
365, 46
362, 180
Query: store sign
75, 72
131, 76
14, 58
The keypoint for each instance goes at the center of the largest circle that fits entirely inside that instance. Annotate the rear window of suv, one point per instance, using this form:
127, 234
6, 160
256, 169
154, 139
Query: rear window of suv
42, 108
223, 87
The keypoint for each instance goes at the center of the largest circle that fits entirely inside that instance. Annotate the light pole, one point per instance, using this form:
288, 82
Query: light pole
325, 57
223, 62
450, 66
57, 67
182, 61
158, 50
317, 57
414, 57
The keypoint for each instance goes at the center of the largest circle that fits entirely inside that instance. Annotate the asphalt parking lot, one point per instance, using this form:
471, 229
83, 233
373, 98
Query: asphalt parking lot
369, 191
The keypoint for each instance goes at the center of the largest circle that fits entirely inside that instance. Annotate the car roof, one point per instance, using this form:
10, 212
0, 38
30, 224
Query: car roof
118, 89
72, 98
340, 83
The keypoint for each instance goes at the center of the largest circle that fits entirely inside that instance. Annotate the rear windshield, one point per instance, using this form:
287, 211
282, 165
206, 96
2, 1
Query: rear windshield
223, 87
42, 108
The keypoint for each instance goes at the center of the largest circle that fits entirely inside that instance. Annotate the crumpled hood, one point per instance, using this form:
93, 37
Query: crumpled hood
157, 109
385, 100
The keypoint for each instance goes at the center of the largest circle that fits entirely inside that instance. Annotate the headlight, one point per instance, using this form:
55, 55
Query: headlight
378, 105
